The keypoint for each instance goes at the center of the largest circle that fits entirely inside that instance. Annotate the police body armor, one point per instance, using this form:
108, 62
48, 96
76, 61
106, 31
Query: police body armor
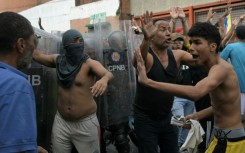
115, 106
115, 53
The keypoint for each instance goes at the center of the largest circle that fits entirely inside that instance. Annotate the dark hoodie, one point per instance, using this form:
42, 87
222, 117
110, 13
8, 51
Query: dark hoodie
69, 64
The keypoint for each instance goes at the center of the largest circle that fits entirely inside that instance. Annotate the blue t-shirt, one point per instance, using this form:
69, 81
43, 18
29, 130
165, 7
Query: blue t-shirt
18, 129
236, 53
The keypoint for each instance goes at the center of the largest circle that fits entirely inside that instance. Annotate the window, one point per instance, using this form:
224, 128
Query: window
82, 2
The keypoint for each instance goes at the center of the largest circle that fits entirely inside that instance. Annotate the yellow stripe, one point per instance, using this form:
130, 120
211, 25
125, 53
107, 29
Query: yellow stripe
228, 23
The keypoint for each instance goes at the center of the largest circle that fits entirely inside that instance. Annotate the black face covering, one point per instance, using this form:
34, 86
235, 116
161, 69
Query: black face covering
68, 65
74, 53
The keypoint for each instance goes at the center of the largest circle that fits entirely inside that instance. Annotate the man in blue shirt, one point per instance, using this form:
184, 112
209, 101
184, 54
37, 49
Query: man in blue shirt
236, 53
18, 130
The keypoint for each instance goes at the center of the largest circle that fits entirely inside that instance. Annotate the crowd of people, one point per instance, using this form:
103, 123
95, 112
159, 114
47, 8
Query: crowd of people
192, 74
208, 43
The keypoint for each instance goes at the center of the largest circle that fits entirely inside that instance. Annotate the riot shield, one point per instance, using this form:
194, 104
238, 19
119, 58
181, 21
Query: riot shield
90, 45
43, 80
115, 53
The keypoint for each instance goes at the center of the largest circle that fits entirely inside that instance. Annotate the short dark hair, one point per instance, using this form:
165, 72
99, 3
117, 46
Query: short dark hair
12, 27
156, 20
240, 32
206, 31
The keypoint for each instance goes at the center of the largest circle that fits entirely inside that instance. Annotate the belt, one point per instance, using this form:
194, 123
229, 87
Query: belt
229, 135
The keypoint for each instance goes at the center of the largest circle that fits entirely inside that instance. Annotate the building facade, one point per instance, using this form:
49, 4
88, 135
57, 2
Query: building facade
60, 15
17, 5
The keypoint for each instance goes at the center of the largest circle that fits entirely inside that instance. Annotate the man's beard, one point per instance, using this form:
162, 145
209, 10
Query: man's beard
25, 61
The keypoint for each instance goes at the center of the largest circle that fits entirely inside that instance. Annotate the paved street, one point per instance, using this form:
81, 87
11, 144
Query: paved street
112, 149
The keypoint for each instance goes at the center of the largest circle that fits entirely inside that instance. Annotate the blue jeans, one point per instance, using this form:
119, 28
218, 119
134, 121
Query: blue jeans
183, 107
153, 133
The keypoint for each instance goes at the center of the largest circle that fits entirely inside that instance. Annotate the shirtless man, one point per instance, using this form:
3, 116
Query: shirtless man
75, 121
221, 83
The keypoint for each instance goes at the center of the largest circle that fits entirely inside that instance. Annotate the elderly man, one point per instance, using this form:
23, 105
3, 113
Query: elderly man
18, 128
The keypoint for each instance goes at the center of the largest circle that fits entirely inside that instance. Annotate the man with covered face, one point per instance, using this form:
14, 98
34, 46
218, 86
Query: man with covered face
76, 122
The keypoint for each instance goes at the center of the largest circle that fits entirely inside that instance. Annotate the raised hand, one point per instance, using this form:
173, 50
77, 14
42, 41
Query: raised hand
227, 12
133, 22
173, 13
142, 77
228, 3
210, 15
242, 17
181, 13
149, 29
235, 22
135, 26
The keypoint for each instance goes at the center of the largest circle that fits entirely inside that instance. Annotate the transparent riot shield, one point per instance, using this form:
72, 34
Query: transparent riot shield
115, 53
90, 45
43, 80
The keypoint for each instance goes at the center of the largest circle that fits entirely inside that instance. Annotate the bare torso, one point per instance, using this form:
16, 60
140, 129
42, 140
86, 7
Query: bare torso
226, 101
77, 101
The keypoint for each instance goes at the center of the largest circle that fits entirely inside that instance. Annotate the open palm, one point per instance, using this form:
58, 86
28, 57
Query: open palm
149, 29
